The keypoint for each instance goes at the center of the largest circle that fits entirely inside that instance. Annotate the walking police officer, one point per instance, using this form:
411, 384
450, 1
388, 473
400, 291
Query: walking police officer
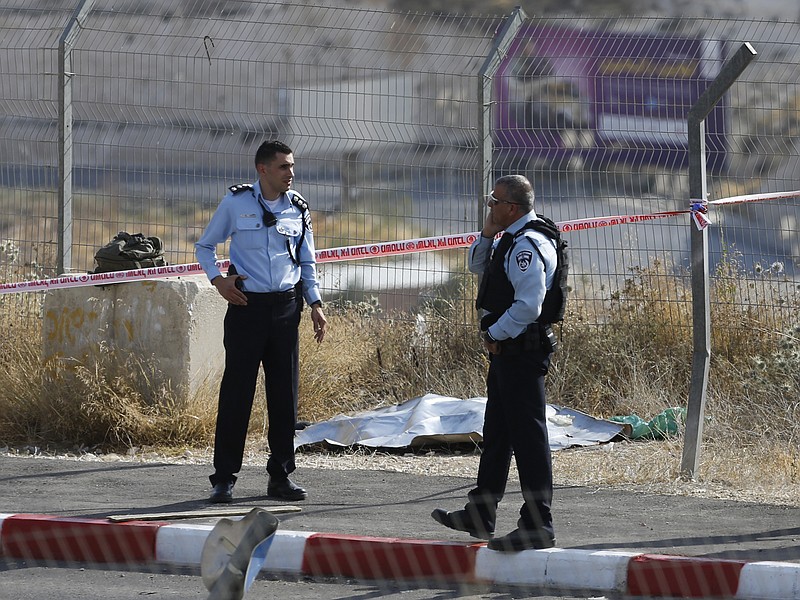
516, 273
273, 269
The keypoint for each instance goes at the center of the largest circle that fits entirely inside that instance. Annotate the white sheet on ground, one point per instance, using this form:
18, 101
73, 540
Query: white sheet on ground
441, 419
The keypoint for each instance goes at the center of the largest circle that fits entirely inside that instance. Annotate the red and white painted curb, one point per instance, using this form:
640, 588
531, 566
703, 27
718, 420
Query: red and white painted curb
50, 538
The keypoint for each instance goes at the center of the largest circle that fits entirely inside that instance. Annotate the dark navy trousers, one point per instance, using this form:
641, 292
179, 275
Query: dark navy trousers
261, 334
515, 423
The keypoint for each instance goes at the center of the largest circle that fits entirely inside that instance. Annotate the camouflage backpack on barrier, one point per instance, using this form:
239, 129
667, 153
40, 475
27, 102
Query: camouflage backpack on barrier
130, 251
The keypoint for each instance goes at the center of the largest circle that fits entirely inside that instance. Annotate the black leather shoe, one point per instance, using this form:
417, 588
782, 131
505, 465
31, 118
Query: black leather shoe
523, 539
462, 520
285, 489
222, 493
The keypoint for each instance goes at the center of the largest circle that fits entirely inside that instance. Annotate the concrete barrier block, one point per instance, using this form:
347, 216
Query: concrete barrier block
179, 321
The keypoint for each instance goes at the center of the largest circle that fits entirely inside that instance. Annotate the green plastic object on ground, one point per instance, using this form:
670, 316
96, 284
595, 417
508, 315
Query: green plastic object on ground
665, 424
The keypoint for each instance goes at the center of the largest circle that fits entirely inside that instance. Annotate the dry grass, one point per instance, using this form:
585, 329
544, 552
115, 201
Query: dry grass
371, 360
636, 362
103, 401
644, 466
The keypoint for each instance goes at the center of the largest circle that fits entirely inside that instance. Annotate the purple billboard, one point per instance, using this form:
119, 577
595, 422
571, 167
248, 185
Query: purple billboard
594, 98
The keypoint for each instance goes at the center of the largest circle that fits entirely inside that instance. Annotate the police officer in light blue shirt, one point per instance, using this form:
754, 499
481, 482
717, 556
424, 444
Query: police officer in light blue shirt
516, 274
273, 268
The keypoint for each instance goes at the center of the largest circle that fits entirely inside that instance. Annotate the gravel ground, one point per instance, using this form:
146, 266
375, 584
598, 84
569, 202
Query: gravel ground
646, 467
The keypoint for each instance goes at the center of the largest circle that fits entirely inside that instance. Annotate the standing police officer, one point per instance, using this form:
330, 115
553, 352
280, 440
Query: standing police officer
514, 283
273, 267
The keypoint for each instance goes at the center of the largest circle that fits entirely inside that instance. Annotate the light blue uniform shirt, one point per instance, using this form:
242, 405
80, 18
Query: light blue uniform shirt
530, 278
259, 252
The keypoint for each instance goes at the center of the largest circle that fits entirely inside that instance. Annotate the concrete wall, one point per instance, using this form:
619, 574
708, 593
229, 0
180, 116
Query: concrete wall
179, 321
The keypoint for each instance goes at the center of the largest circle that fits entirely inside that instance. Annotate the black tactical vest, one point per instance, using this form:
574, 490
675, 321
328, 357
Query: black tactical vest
496, 294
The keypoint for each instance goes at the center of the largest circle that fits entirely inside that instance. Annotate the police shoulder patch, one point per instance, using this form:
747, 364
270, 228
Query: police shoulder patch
523, 258
240, 187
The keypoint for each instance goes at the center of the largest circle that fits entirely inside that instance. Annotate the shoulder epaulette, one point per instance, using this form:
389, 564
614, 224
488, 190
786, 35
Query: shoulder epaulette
241, 187
302, 205
299, 201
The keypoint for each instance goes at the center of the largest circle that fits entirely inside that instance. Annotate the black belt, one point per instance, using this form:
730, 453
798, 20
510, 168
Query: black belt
535, 337
271, 298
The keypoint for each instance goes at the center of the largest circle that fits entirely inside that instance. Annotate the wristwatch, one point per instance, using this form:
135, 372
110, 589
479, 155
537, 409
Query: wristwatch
488, 338
317, 303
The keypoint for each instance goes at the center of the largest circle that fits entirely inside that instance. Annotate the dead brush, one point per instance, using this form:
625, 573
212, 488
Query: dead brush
629, 354
636, 358
101, 400
370, 360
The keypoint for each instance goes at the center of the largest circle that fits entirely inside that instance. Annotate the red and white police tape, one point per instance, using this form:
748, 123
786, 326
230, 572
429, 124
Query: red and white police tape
698, 210
95, 541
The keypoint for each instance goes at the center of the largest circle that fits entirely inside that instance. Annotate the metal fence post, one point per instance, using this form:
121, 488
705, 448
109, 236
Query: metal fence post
701, 302
500, 46
65, 73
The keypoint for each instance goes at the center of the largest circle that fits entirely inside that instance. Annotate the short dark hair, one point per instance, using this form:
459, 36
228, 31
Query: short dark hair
267, 151
519, 189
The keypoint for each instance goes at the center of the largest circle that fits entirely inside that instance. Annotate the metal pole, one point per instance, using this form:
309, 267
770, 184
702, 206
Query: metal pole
500, 46
701, 303
65, 73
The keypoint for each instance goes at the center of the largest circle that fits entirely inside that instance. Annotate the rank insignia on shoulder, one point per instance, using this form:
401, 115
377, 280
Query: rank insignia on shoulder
301, 204
241, 187
299, 201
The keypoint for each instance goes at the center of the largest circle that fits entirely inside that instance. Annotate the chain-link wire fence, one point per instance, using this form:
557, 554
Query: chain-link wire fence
381, 107
142, 115
137, 117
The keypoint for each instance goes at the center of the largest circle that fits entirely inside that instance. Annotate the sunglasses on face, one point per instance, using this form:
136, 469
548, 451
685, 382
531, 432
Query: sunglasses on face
492, 201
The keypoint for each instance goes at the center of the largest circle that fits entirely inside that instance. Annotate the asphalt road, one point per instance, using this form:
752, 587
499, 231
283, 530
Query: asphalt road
65, 583
373, 503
